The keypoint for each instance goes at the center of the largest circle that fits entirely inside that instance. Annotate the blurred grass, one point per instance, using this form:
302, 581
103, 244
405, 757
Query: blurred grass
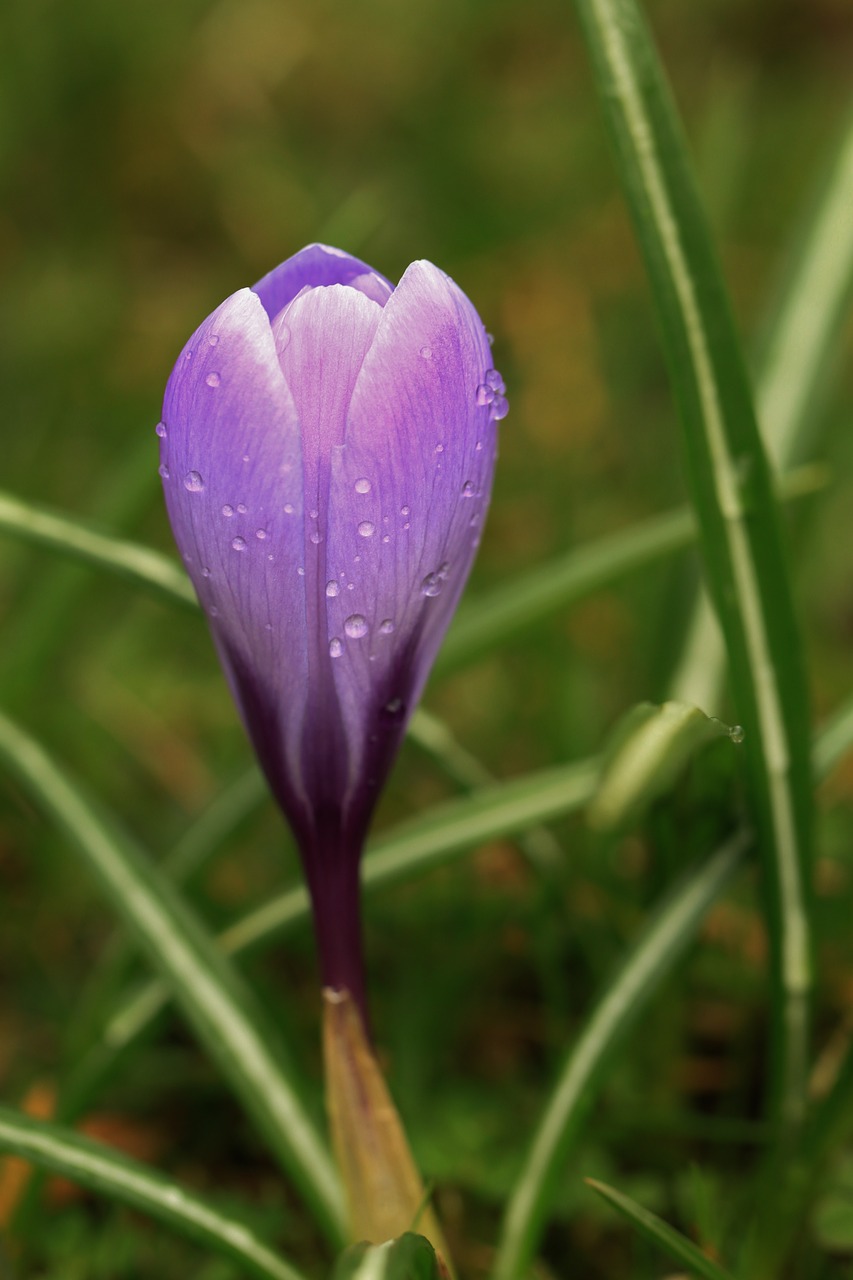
154, 159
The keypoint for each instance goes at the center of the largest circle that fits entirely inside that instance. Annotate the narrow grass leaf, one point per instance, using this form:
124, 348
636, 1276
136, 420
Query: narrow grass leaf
734, 501
660, 1233
663, 943
99, 1169
804, 334
220, 1007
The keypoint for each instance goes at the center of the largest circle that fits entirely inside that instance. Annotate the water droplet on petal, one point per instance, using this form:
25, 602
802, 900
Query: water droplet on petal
387, 537
163, 470
500, 408
261, 534
495, 381
301, 571
404, 511
213, 379
238, 543
242, 508
245, 457
431, 585
228, 510
333, 589
193, 482
335, 647
355, 626
161, 430
478, 446
394, 709
485, 394
213, 611
439, 448
386, 627
288, 508
213, 339
205, 573
267, 626
468, 489
490, 338
363, 485
366, 529
426, 352
737, 733
313, 514
314, 537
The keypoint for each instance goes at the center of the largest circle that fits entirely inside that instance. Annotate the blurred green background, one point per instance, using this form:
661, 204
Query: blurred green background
153, 159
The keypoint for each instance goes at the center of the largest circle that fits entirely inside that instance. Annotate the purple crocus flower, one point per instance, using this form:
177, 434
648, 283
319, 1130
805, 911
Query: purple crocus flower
327, 449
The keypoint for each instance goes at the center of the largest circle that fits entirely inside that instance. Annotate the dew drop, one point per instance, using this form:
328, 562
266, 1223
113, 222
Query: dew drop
404, 511
350, 586
270, 557
213, 340
193, 482
431, 585
356, 559
301, 571
288, 508
355, 626
238, 543
313, 514
737, 733
495, 381
163, 470
333, 588
478, 446
366, 529
160, 429
245, 457
394, 709
228, 510
267, 626
468, 489
335, 648
213, 611
490, 338
205, 573
387, 537
213, 379
386, 627
485, 394
439, 448
407, 525
500, 408
426, 352
314, 537
261, 534
363, 485
242, 508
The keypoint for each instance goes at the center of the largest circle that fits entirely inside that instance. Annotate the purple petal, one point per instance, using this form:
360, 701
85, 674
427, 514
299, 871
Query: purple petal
231, 461
319, 264
409, 493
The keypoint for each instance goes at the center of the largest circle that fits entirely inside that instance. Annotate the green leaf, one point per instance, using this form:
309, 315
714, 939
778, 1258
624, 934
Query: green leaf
740, 531
409, 1257
97, 1167
663, 943
653, 1228
646, 752
804, 334
222, 1010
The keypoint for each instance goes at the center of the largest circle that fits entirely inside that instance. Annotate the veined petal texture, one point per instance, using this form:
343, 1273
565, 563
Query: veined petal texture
327, 450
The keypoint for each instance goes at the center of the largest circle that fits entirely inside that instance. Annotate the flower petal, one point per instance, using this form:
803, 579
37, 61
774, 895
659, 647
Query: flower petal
409, 490
232, 472
318, 264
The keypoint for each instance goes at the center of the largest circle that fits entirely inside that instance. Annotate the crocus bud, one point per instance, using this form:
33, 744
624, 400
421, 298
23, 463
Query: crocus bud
327, 449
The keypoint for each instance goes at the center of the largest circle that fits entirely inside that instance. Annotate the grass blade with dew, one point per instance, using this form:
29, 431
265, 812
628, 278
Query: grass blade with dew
104, 1171
804, 333
671, 1242
663, 943
740, 530
221, 1009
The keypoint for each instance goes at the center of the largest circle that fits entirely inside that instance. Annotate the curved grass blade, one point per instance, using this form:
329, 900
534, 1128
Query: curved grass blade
414, 846
660, 1233
96, 1167
739, 526
219, 1006
805, 331
664, 941
72, 537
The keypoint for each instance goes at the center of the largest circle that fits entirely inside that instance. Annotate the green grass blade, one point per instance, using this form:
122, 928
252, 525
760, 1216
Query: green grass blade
733, 497
220, 1007
807, 325
660, 1233
664, 942
413, 847
96, 1167
72, 537
834, 740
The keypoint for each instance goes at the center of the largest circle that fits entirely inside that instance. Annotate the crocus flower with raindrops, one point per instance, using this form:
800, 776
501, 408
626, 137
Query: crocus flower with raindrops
327, 449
